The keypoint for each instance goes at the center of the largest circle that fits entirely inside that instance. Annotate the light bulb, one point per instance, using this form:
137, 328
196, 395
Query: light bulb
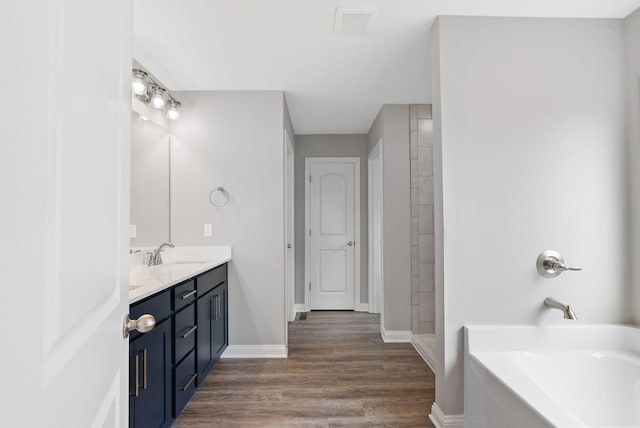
173, 110
157, 97
139, 83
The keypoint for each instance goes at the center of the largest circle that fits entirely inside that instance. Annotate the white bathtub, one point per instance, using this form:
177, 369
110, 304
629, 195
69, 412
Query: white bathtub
555, 376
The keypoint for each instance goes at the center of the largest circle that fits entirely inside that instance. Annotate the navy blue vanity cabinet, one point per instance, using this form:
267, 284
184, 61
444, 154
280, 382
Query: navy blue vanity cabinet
150, 378
221, 321
167, 364
213, 324
185, 329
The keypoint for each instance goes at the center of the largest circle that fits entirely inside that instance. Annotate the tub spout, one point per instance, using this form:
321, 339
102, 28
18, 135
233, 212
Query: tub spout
550, 302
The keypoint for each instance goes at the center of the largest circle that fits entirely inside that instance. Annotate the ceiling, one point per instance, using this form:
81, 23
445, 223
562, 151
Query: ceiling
334, 84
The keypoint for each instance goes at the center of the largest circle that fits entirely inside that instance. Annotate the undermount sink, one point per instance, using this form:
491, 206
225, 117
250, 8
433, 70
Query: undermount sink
184, 262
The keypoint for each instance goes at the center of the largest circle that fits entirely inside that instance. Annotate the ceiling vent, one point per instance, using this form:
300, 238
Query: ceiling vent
354, 19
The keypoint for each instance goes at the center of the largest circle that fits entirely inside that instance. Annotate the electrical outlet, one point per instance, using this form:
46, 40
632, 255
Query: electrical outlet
208, 230
132, 231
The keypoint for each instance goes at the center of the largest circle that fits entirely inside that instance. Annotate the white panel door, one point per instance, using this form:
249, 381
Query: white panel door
64, 162
331, 239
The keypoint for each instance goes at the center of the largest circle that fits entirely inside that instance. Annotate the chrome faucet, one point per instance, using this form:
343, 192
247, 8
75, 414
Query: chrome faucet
156, 257
550, 302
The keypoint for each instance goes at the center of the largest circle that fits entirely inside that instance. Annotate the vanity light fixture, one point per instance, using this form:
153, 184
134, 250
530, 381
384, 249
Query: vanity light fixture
139, 83
157, 96
173, 109
148, 91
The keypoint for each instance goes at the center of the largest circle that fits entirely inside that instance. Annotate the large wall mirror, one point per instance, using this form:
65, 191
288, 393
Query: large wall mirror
150, 197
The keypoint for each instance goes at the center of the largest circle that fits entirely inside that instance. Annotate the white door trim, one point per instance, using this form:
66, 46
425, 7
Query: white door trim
307, 163
289, 235
375, 295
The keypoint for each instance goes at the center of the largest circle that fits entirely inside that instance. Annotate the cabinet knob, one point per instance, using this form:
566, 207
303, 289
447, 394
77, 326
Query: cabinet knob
144, 324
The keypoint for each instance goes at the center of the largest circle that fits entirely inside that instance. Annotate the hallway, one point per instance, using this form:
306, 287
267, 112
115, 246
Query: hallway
339, 373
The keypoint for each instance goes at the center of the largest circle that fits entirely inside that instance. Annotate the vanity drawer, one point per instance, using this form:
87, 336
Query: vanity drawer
185, 332
184, 383
184, 294
208, 281
158, 305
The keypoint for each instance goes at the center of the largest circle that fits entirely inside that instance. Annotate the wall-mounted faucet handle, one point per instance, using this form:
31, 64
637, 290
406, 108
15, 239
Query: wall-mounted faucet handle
551, 264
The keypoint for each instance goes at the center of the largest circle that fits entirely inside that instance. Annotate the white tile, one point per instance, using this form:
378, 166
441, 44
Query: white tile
426, 327
424, 111
414, 231
425, 161
414, 260
425, 216
414, 172
413, 154
415, 282
426, 248
413, 117
426, 277
425, 190
425, 132
414, 202
427, 307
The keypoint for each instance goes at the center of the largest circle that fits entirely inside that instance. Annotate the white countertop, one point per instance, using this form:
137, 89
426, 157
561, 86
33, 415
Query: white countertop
180, 264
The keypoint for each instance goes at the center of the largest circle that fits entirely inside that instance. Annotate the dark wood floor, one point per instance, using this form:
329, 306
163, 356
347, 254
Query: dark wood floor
339, 373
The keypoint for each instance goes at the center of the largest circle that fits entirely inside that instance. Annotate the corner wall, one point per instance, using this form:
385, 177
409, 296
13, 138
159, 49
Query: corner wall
234, 139
632, 39
392, 126
530, 146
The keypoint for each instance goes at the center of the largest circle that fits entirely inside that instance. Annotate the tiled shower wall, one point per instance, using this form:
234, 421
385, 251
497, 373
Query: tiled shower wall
422, 237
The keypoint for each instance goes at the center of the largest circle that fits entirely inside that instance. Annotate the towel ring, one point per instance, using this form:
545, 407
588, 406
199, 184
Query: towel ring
219, 197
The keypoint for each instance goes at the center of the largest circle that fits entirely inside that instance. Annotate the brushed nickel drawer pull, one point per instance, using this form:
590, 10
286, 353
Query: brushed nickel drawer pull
144, 369
188, 332
189, 382
189, 294
137, 375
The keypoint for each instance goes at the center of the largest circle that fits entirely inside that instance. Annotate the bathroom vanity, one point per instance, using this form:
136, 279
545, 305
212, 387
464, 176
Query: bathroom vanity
189, 301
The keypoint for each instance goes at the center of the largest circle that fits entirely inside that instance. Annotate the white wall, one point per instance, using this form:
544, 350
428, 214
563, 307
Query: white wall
343, 145
235, 140
392, 125
530, 137
632, 36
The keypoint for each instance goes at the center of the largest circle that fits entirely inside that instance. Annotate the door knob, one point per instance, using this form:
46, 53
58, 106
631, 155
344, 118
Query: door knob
350, 243
144, 324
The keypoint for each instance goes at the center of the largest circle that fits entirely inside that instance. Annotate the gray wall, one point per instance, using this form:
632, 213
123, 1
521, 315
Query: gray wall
235, 140
392, 125
352, 145
632, 33
531, 147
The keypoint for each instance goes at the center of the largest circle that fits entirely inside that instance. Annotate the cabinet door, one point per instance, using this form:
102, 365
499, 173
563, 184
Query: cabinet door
205, 355
150, 378
220, 321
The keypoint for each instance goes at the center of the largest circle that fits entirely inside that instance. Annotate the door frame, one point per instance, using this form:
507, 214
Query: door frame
308, 161
289, 218
375, 294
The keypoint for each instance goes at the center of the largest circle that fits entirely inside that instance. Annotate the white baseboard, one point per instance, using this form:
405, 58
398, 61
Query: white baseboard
361, 307
255, 351
426, 356
300, 307
440, 420
395, 336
